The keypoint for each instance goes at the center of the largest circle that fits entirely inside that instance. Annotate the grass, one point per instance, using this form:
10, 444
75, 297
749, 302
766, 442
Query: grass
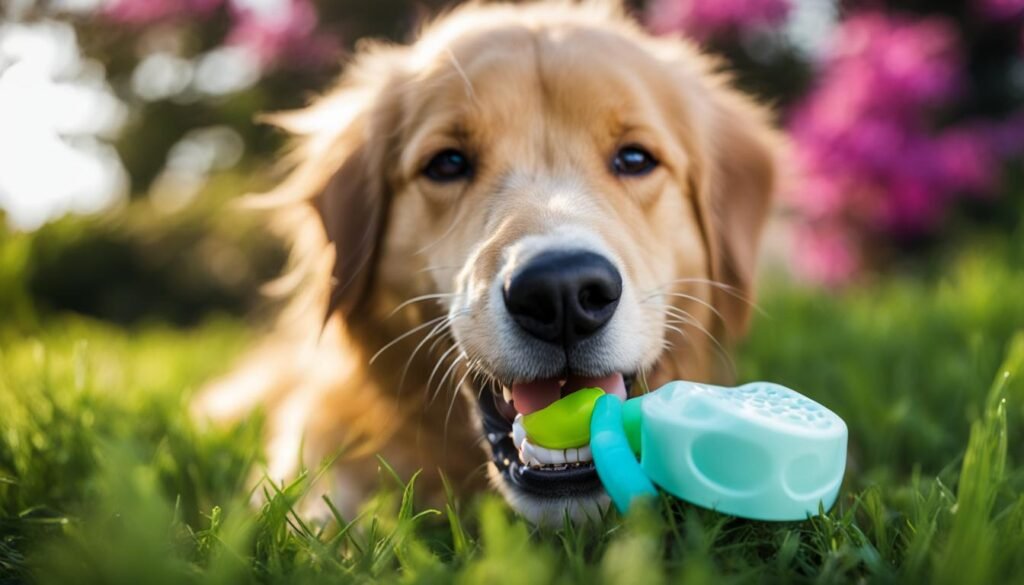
103, 479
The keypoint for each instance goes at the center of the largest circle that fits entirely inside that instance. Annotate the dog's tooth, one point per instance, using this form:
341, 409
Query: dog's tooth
583, 454
506, 393
541, 455
557, 456
528, 451
518, 431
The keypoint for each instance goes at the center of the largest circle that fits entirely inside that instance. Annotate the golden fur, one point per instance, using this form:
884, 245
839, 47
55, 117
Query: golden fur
541, 94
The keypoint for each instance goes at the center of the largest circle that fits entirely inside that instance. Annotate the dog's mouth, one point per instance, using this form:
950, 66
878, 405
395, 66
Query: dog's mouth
548, 473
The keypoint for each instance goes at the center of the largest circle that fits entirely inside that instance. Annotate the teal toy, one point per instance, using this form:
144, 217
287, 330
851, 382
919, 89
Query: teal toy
760, 451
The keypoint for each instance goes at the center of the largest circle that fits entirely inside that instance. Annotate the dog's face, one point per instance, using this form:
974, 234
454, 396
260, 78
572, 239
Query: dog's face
583, 202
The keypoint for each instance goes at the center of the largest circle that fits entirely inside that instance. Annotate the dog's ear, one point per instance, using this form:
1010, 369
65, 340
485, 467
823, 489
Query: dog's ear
737, 168
353, 208
341, 171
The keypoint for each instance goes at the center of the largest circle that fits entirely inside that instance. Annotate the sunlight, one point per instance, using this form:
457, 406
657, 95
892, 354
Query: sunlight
56, 110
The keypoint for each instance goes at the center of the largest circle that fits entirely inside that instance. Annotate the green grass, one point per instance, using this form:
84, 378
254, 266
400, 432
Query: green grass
103, 479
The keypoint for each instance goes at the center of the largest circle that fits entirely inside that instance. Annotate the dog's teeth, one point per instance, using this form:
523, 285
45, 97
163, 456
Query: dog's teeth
537, 456
506, 393
530, 454
557, 456
583, 454
518, 432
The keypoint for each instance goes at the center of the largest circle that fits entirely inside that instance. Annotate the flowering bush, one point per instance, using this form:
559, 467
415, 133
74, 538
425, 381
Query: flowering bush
277, 33
1002, 9
863, 139
145, 12
874, 161
896, 117
882, 137
701, 19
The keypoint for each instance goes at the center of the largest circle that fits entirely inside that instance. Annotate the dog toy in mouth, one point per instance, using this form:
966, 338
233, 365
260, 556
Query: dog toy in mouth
759, 451
564, 423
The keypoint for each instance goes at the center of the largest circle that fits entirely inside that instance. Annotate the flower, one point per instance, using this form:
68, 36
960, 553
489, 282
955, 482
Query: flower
144, 12
275, 32
1001, 10
702, 19
875, 162
828, 253
286, 32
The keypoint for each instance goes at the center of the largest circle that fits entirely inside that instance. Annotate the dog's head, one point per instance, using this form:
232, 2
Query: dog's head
581, 202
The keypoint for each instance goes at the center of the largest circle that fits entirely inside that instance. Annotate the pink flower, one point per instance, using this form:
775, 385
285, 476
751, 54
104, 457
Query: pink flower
144, 12
874, 161
702, 19
289, 34
828, 254
1005, 137
1001, 10
915, 63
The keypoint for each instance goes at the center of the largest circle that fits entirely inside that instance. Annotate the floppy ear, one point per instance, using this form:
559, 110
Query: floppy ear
353, 208
742, 177
341, 172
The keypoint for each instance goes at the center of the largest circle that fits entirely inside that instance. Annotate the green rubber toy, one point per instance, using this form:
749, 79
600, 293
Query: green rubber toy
565, 423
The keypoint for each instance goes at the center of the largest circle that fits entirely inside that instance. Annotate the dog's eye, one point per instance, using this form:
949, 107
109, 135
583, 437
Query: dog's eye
633, 161
448, 165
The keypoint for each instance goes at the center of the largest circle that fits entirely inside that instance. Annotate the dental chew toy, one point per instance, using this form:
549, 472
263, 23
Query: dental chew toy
760, 451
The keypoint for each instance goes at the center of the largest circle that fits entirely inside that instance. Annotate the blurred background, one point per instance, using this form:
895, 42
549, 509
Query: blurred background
126, 125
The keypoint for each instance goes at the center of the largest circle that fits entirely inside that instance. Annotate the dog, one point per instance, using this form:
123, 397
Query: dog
527, 200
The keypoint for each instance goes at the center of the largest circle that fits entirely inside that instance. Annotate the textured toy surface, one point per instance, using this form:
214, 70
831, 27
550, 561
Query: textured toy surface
760, 450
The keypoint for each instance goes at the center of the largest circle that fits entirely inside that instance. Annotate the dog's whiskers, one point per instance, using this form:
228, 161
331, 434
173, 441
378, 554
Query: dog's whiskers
437, 366
685, 296
393, 342
451, 403
440, 331
418, 299
688, 320
435, 268
726, 288
461, 358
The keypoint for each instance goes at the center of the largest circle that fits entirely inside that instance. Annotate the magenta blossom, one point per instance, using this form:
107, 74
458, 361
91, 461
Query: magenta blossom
702, 19
874, 161
288, 33
828, 253
282, 32
1002, 10
144, 12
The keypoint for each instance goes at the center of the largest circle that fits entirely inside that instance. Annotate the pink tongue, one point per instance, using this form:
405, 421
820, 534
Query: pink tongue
528, 397
611, 384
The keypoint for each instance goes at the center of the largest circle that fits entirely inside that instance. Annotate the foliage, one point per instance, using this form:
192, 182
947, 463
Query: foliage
907, 110
103, 478
142, 263
874, 163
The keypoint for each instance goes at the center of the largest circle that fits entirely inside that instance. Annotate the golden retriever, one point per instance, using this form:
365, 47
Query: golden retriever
527, 200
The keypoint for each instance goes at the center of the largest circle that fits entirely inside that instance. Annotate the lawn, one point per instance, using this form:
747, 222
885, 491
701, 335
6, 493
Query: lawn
104, 479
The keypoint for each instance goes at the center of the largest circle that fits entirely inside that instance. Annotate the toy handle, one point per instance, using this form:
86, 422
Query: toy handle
621, 474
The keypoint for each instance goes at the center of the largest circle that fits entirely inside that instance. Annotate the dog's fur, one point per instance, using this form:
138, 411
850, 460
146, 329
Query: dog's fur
541, 96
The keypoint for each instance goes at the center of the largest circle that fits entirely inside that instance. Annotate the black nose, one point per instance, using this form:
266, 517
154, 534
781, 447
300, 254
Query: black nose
564, 296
